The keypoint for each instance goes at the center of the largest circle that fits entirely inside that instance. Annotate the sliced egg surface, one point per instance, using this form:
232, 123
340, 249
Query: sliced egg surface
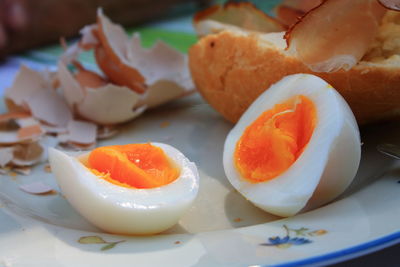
128, 189
298, 145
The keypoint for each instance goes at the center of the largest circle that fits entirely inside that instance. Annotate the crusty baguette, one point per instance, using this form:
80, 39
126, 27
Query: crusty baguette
232, 68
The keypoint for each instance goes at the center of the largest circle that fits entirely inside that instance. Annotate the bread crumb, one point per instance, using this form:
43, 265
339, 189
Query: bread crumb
177, 242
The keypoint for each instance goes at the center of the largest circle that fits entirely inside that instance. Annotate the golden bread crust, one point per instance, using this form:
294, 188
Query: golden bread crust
231, 69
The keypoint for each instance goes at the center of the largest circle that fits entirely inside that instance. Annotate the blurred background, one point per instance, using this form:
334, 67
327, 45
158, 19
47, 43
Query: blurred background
27, 24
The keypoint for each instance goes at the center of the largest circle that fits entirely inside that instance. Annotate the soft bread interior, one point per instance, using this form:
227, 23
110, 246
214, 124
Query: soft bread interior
386, 47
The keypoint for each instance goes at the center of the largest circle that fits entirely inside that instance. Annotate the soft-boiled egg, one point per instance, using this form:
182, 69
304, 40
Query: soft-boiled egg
128, 189
297, 145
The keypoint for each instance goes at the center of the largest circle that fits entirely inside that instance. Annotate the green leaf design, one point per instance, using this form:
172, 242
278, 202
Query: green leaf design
108, 246
301, 231
94, 239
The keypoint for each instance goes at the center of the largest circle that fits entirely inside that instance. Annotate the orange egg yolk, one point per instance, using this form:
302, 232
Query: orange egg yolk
273, 142
133, 165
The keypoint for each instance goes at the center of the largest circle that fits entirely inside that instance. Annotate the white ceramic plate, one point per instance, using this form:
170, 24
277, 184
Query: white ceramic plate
222, 228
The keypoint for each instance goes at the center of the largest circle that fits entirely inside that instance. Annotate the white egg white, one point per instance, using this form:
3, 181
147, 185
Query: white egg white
328, 163
122, 210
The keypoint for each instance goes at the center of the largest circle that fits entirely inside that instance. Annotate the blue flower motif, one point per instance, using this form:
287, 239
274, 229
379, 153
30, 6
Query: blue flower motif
276, 241
299, 241
288, 241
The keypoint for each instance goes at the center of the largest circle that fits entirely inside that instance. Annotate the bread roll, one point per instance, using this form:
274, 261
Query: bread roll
233, 67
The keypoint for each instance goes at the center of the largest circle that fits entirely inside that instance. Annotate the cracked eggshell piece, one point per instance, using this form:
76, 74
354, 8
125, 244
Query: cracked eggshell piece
111, 55
165, 70
36, 188
87, 41
110, 104
26, 84
161, 62
33, 91
123, 210
326, 164
82, 132
19, 128
28, 154
49, 106
338, 46
6, 155
72, 90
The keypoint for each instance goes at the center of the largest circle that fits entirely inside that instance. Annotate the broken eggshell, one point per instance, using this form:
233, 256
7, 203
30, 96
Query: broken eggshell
33, 91
152, 66
19, 128
154, 76
37, 188
108, 104
338, 46
165, 71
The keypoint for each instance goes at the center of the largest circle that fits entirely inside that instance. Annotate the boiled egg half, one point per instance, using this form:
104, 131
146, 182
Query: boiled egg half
297, 145
128, 189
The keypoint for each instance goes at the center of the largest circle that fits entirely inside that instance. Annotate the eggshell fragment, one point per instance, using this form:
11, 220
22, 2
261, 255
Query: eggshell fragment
87, 41
390, 4
111, 55
338, 45
148, 66
140, 78
27, 154
302, 5
30, 132
17, 130
109, 104
5, 117
26, 84
81, 132
234, 16
49, 106
288, 15
104, 132
25, 170
6, 155
72, 90
36, 188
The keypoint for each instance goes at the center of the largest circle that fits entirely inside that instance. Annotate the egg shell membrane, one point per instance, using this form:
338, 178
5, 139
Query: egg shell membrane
329, 161
133, 165
124, 210
275, 139
345, 30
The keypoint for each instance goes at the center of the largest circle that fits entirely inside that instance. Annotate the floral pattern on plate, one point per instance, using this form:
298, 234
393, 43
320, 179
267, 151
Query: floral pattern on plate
299, 238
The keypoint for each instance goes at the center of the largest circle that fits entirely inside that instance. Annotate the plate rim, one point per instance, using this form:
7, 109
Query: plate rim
348, 253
